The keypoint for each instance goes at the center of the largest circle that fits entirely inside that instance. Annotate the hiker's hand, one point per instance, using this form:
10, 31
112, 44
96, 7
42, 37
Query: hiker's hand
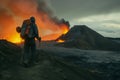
39, 39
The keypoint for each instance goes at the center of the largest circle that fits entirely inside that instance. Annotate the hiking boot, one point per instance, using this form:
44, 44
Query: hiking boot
36, 63
25, 64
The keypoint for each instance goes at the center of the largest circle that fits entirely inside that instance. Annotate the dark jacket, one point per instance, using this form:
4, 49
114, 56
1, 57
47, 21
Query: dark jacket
33, 32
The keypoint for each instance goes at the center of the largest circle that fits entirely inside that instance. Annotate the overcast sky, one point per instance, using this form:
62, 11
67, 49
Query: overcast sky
100, 15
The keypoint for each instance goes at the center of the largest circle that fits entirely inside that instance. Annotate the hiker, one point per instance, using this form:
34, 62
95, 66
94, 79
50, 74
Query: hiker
29, 32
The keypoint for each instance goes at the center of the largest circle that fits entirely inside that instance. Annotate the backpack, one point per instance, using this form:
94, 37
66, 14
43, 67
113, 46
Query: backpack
27, 31
25, 28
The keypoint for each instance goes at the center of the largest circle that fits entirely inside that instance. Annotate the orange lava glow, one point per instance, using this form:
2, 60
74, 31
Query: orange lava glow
12, 14
64, 29
15, 39
60, 41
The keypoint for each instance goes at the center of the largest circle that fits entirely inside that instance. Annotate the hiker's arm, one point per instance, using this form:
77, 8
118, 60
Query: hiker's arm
37, 33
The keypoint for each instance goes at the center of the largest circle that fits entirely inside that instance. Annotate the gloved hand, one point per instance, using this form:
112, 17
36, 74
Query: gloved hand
39, 39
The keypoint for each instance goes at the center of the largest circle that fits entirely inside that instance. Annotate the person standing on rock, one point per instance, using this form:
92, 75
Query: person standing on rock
29, 32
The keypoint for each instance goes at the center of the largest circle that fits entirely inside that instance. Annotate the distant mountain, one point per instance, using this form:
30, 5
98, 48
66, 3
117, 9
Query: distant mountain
81, 36
114, 39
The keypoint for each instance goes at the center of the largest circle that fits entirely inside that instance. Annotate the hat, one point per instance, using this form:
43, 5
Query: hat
32, 19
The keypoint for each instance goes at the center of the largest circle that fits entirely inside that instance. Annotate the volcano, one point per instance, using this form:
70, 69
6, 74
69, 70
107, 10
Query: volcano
81, 36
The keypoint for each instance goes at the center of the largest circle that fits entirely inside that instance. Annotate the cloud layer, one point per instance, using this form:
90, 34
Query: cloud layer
100, 15
74, 8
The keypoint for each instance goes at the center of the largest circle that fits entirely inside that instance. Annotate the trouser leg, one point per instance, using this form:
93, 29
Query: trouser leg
26, 53
33, 51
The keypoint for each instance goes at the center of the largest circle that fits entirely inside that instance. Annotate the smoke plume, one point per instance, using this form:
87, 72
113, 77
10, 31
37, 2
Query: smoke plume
13, 12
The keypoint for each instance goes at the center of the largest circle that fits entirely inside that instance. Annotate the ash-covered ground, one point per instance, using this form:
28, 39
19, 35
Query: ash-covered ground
59, 63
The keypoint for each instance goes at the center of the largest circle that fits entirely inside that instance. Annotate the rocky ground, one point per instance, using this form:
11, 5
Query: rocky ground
58, 63
106, 64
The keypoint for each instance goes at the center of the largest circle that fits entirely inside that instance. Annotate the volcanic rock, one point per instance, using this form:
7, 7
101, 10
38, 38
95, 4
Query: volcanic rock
9, 54
48, 67
58, 63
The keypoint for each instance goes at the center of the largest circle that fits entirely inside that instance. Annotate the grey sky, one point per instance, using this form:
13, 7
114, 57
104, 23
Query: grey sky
82, 8
101, 15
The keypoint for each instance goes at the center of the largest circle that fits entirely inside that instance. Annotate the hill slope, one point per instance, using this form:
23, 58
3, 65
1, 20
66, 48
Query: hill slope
81, 36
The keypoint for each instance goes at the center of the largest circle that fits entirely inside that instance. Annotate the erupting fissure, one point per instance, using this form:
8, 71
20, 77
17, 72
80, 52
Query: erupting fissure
60, 41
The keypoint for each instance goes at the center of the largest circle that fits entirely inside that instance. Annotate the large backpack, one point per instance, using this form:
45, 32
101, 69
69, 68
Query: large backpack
25, 28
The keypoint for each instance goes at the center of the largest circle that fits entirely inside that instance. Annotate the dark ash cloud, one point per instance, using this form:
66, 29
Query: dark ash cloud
44, 7
81, 8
